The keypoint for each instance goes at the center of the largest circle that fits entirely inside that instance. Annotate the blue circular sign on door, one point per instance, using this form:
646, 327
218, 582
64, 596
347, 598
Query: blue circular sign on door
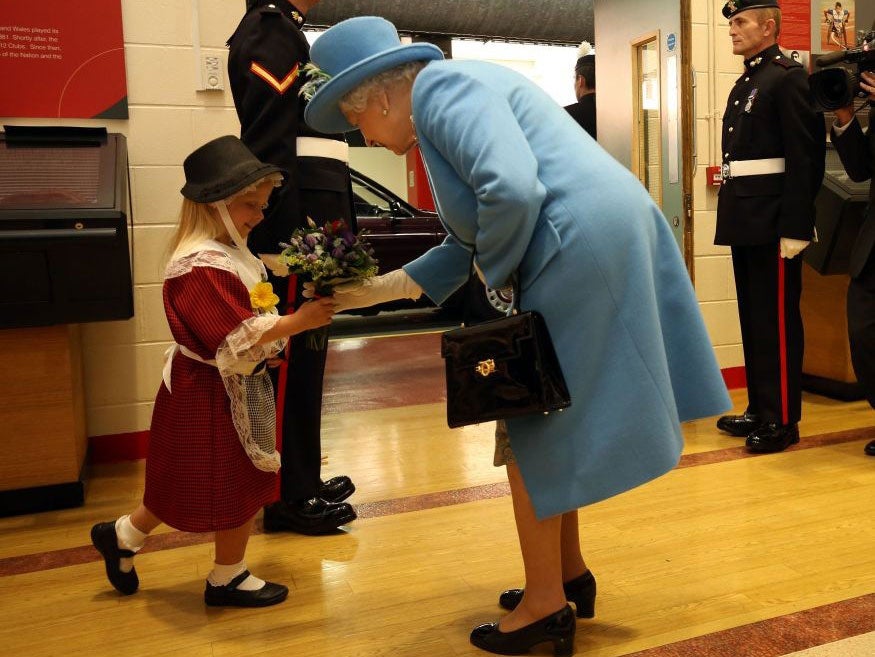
671, 41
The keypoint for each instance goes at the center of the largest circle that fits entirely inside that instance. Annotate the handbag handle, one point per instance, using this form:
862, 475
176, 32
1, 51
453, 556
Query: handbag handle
514, 285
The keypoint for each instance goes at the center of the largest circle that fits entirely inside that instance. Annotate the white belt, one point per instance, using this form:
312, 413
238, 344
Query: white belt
320, 147
168, 361
741, 168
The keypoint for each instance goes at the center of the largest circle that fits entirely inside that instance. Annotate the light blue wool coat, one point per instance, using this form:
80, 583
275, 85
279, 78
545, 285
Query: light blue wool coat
515, 176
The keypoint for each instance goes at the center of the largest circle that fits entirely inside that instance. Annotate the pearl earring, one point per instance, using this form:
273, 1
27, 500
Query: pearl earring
385, 112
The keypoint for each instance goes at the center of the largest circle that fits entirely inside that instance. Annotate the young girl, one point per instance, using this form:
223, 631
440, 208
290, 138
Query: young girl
212, 458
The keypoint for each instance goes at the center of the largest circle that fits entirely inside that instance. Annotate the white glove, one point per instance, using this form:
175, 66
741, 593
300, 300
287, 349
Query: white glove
371, 291
791, 248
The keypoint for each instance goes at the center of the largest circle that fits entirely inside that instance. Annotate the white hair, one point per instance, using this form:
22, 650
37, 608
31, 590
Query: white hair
356, 100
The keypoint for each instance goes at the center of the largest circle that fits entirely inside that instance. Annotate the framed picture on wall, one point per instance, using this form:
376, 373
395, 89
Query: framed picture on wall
838, 25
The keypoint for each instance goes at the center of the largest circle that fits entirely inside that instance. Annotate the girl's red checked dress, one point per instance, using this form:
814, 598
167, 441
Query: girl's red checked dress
199, 477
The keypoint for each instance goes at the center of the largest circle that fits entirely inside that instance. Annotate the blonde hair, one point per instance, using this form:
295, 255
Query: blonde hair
357, 100
198, 222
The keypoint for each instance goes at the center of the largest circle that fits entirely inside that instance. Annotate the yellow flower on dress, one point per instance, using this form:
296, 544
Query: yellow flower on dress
261, 297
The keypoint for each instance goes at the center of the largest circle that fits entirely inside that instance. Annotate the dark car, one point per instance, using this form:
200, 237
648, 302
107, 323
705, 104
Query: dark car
399, 233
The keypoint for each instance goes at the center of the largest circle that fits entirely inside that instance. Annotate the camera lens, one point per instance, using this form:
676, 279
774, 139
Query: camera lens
833, 88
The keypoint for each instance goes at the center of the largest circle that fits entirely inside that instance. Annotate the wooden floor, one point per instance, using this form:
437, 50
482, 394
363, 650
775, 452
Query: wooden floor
729, 554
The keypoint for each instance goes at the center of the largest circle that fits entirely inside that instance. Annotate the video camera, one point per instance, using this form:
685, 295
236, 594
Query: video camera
838, 84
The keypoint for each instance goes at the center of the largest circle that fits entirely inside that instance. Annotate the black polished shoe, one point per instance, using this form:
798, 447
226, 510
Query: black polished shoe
870, 448
336, 489
104, 538
739, 425
557, 628
230, 596
580, 591
312, 517
772, 437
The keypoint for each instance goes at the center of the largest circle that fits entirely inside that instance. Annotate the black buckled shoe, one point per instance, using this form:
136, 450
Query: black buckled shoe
336, 489
772, 437
580, 590
870, 448
104, 538
739, 425
230, 596
312, 517
557, 628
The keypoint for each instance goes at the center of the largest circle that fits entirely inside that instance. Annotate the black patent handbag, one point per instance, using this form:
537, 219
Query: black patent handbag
502, 368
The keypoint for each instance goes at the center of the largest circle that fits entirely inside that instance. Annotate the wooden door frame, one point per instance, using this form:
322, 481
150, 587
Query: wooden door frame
687, 128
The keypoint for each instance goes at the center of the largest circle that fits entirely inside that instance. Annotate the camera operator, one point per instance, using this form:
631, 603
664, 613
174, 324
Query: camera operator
857, 152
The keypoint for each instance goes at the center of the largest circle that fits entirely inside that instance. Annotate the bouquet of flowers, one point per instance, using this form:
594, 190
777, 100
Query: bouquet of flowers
326, 255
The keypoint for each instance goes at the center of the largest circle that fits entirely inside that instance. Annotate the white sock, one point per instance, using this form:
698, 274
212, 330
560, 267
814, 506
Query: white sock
221, 575
128, 538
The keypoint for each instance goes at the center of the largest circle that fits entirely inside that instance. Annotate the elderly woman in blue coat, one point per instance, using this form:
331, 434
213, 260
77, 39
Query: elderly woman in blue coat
518, 183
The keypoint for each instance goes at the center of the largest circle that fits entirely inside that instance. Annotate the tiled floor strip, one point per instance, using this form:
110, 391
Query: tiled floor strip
778, 636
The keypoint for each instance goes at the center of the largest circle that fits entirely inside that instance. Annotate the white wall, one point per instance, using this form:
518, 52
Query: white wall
382, 165
716, 71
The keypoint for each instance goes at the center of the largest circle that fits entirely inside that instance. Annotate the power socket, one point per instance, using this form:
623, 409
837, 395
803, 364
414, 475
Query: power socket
212, 73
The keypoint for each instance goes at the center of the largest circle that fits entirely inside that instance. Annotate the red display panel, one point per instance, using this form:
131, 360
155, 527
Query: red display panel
62, 59
795, 25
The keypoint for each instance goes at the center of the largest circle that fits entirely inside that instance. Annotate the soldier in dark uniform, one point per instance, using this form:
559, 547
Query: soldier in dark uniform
857, 152
773, 164
583, 111
268, 51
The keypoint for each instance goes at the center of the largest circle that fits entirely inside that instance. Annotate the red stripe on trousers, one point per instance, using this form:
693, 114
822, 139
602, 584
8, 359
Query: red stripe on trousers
782, 341
283, 376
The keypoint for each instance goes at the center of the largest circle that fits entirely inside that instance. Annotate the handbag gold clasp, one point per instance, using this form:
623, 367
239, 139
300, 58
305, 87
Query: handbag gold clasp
485, 367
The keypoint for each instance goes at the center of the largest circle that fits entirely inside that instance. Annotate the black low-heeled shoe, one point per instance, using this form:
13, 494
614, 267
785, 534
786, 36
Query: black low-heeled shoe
580, 590
557, 628
230, 596
104, 538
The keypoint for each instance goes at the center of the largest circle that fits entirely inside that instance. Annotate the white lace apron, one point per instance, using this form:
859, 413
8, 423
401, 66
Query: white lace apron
239, 359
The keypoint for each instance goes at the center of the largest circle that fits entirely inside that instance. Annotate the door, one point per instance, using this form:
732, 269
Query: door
644, 101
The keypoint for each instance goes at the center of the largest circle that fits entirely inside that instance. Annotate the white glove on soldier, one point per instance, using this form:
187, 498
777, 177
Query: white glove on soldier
791, 248
371, 291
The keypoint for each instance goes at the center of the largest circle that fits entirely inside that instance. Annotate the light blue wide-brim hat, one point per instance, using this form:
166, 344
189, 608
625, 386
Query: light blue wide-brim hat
352, 52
